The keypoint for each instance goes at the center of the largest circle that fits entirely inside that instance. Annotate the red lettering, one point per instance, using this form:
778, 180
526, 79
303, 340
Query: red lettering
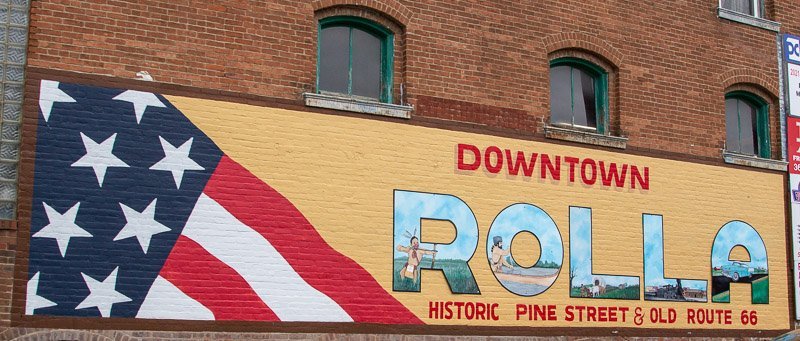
522, 309
705, 316
538, 312
655, 316
551, 313
569, 315
591, 313
612, 174
515, 164
602, 314
459, 305
624, 312
465, 310
498, 158
571, 161
580, 312
549, 167
586, 179
612, 314
469, 310
476, 157
643, 182
433, 310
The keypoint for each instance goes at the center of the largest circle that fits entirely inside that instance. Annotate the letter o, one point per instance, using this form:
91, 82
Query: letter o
487, 159
519, 218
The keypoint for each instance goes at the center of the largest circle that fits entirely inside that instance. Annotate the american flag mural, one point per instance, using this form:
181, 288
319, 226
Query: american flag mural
137, 213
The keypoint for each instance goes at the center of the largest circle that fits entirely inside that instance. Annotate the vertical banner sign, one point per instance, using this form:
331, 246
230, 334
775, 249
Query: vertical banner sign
791, 48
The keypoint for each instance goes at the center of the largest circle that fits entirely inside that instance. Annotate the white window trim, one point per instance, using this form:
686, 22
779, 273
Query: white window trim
747, 19
346, 103
584, 136
753, 161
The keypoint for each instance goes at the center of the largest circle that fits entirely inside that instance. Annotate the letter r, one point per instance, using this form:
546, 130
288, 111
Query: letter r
410, 208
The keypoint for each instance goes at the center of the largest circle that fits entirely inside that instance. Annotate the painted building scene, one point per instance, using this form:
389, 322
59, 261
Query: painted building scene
383, 169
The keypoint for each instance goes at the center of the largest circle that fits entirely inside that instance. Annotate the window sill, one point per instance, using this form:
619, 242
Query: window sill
753, 161
357, 105
749, 20
574, 135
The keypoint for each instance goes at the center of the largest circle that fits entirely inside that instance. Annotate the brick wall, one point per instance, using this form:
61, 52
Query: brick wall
672, 57
788, 14
476, 62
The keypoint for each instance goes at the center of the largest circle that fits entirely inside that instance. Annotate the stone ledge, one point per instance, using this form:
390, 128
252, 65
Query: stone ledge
749, 20
357, 105
573, 135
753, 161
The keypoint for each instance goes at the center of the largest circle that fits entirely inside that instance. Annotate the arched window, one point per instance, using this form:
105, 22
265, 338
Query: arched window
578, 94
746, 124
354, 58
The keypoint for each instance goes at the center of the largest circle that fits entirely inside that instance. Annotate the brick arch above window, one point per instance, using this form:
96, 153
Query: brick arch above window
749, 80
389, 8
586, 42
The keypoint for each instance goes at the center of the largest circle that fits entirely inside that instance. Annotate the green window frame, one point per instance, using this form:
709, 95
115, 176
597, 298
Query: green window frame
600, 77
386, 38
763, 148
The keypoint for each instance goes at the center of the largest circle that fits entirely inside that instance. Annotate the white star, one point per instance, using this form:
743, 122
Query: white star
176, 160
142, 225
62, 227
49, 93
141, 100
32, 300
102, 294
99, 156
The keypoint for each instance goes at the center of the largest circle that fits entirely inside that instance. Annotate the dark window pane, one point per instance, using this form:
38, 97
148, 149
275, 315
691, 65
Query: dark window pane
741, 6
732, 125
747, 122
589, 105
366, 64
334, 59
560, 95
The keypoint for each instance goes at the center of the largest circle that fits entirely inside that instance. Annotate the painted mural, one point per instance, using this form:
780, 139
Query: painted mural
725, 270
657, 287
148, 206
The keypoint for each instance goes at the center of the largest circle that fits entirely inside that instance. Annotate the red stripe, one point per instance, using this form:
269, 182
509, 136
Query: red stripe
259, 206
214, 284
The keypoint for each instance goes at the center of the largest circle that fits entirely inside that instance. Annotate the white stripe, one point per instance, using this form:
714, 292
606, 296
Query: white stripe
260, 264
165, 301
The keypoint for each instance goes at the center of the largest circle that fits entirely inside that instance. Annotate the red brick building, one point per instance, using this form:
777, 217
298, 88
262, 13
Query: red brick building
695, 82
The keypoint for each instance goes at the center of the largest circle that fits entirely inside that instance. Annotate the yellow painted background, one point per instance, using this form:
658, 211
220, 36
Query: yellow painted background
341, 173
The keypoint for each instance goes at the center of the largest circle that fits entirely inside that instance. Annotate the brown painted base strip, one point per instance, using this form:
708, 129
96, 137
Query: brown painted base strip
362, 328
